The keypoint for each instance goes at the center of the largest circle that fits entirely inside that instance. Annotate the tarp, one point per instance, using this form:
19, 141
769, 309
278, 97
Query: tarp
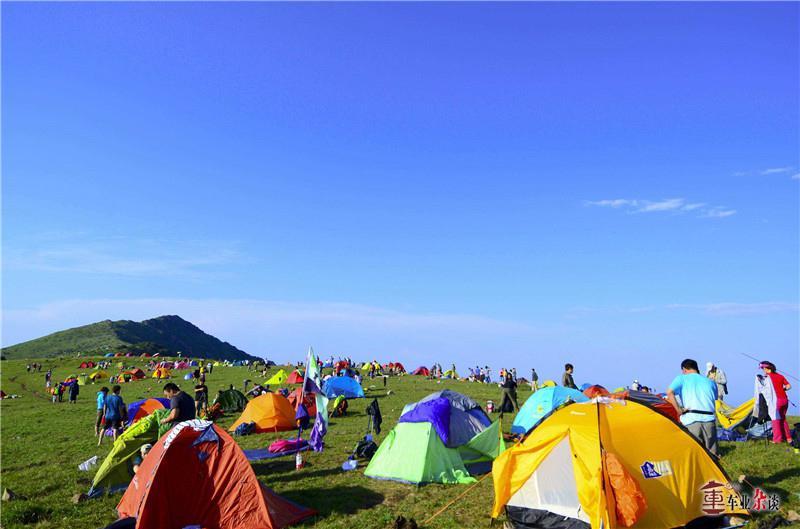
231, 400
116, 471
197, 476
541, 403
344, 386
277, 379
730, 418
270, 411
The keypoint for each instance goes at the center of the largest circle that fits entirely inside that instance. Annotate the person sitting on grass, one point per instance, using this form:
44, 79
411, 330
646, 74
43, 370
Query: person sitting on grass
114, 412
181, 405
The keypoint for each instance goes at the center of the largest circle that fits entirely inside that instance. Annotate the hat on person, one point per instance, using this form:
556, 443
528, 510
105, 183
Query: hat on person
145, 448
709, 365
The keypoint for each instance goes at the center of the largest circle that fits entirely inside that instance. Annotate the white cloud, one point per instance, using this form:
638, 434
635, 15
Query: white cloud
673, 205
738, 309
776, 170
796, 176
122, 256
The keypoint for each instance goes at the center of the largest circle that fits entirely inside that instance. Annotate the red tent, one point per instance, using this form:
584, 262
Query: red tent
341, 364
136, 374
596, 391
86, 365
309, 400
397, 366
422, 370
651, 400
196, 475
295, 378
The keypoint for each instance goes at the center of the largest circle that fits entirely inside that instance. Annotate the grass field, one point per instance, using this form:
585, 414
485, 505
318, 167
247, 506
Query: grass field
43, 443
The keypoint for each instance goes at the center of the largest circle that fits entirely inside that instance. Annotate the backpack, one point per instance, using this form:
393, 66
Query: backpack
365, 449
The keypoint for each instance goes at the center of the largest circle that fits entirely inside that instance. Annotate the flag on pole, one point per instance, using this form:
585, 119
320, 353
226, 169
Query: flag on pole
313, 384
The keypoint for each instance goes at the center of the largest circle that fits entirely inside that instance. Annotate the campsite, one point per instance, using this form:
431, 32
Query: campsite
43, 444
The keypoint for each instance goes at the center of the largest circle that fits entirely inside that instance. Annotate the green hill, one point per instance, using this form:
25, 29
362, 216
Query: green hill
166, 335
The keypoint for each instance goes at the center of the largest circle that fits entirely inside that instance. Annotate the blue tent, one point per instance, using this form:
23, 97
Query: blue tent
455, 417
108, 355
344, 386
541, 403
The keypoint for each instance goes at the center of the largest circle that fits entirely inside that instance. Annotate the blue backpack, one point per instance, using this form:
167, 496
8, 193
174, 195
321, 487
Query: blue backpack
246, 428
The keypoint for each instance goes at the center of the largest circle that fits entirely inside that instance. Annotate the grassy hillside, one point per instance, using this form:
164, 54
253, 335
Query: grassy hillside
42, 444
166, 335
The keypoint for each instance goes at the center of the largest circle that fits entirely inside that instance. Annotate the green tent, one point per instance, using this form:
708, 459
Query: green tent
117, 470
414, 453
231, 400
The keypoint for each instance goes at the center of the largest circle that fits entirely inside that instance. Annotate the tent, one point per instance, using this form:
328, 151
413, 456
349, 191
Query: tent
181, 365
607, 464
161, 372
548, 384
197, 476
108, 355
295, 377
422, 370
309, 400
193, 363
145, 355
345, 386
135, 374
465, 417
450, 373
231, 400
270, 411
397, 366
596, 390
86, 365
94, 376
277, 379
425, 447
541, 403
730, 418
82, 379
143, 408
116, 471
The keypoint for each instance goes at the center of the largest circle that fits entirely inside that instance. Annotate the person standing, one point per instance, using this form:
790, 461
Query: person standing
181, 405
698, 395
201, 397
534, 380
101, 402
73, 392
566, 378
718, 376
509, 399
780, 428
114, 412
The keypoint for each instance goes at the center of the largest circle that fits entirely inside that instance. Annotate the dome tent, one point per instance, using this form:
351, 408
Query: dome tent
423, 371
220, 489
271, 412
231, 400
344, 386
465, 416
541, 403
607, 463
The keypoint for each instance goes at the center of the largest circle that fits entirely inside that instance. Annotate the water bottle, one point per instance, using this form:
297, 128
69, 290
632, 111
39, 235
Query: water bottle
298, 461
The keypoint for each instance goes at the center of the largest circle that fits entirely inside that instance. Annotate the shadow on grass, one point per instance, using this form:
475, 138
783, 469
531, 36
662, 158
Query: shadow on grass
346, 500
292, 476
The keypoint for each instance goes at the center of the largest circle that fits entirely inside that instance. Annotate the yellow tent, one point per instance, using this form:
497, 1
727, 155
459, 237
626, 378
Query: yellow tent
366, 366
548, 384
732, 417
450, 374
161, 372
98, 375
587, 459
277, 379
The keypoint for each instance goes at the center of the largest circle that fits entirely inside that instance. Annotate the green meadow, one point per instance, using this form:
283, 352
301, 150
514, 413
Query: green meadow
43, 444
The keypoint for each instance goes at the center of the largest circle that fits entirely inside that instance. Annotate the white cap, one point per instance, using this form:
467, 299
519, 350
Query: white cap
709, 365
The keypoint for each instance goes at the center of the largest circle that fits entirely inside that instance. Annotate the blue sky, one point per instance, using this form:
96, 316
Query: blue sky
614, 185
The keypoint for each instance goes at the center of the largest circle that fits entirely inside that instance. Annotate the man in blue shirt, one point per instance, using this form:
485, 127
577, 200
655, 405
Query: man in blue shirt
101, 402
114, 412
698, 396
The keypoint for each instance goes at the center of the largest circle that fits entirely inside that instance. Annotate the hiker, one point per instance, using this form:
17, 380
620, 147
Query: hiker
181, 405
780, 428
509, 399
698, 396
60, 392
566, 378
73, 392
636, 386
201, 397
534, 380
143, 451
114, 412
245, 383
101, 402
718, 376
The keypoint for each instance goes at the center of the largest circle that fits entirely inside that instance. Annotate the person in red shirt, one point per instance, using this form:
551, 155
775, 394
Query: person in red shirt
780, 428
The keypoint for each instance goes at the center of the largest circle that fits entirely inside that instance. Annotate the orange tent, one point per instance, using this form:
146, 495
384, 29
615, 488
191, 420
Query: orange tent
196, 475
596, 391
309, 400
136, 374
270, 411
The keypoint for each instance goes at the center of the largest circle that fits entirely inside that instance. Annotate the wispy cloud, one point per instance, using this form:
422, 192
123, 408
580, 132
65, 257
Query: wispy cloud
776, 170
672, 205
771, 171
738, 309
796, 176
122, 256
